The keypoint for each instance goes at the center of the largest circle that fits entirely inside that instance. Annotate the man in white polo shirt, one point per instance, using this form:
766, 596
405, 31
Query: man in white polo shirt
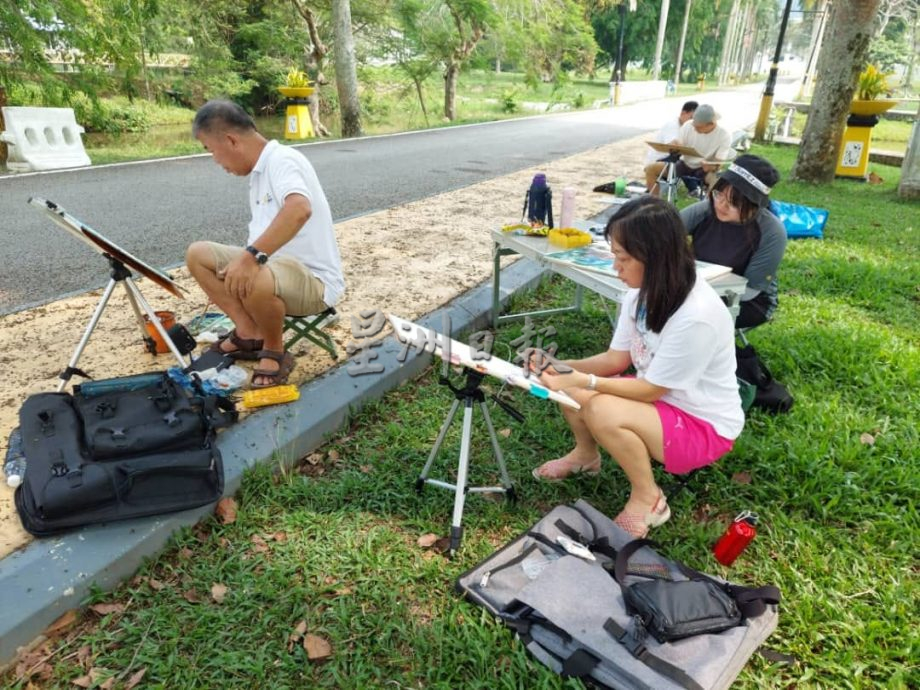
290, 263
713, 142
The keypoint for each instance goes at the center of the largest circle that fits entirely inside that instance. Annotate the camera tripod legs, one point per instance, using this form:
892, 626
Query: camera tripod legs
138, 303
460, 489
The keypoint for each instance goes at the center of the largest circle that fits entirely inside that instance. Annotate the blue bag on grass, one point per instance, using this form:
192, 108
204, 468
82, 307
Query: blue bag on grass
800, 221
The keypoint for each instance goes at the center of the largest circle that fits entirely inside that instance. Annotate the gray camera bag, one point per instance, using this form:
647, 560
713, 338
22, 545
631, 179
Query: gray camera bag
570, 613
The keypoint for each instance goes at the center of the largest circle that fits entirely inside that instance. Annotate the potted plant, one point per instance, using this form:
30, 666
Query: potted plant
297, 85
872, 83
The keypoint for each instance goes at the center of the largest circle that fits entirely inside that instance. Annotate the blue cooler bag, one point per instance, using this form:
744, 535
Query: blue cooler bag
800, 221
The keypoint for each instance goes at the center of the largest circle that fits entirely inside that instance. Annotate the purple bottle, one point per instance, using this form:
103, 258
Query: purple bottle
538, 202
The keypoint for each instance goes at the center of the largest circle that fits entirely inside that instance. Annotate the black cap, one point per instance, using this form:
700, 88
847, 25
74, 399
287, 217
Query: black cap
753, 176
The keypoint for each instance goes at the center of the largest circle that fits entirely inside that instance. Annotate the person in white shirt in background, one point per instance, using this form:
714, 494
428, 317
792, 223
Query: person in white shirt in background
703, 134
670, 129
290, 263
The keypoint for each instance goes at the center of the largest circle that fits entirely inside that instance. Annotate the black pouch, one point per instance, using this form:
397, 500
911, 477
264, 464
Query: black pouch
672, 610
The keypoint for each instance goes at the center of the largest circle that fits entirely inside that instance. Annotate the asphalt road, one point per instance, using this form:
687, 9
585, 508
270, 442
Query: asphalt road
154, 209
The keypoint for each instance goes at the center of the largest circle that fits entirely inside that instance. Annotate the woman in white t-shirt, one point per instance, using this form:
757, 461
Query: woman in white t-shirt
682, 408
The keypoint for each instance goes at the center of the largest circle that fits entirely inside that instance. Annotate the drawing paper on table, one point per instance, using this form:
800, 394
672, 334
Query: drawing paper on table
598, 258
428, 340
593, 257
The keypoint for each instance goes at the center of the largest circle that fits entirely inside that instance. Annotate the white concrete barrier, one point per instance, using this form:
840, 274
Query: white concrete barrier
635, 91
42, 139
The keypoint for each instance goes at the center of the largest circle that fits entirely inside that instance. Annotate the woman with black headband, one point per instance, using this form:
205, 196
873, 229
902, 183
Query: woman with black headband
734, 227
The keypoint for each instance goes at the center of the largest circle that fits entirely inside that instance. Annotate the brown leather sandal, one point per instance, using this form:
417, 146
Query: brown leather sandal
246, 348
276, 377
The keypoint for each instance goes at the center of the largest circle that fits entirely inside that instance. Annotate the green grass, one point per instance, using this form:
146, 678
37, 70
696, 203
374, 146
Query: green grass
887, 135
333, 542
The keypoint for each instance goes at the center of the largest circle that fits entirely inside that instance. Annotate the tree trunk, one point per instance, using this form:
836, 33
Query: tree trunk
314, 58
817, 35
659, 44
842, 58
3, 149
346, 77
450, 90
683, 39
909, 73
727, 42
421, 98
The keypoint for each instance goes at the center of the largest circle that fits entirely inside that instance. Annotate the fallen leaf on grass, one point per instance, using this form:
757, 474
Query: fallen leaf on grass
191, 596
505, 432
296, 636
34, 663
258, 544
367, 469
314, 458
135, 678
226, 510
334, 455
93, 677
703, 513
155, 585
427, 540
186, 552
63, 623
218, 592
108, 684
875, 179
106, 609
317, 648
867, 439
741, 477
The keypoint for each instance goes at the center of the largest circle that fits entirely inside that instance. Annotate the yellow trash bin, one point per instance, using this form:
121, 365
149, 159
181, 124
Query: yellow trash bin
854, 148
297, 122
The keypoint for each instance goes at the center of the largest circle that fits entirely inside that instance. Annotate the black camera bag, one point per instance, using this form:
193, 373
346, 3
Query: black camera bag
116, 449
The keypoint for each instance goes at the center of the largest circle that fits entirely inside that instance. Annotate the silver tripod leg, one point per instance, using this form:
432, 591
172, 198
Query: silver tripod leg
456, 526
437, 445
138, 302
499, 458
66, 374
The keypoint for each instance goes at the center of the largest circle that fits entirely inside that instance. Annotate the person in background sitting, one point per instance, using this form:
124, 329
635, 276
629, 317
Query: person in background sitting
682, 408
709, 139
670, 129
734, 227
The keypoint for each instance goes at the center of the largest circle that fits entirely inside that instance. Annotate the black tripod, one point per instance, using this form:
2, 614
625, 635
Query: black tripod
469, 394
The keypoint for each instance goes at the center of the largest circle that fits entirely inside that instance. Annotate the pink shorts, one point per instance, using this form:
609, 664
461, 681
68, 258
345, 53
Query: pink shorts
689, 442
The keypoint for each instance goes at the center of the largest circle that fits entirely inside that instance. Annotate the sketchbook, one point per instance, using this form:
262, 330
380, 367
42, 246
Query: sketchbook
429, 340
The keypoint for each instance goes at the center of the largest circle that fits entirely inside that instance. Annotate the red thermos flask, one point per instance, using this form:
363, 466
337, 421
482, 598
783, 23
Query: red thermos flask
738, 535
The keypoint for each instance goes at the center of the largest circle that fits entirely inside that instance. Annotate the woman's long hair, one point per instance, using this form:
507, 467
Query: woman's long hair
651, 231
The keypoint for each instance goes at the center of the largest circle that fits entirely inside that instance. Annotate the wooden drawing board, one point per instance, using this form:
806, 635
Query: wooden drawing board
86, 234
460, 353
675, 148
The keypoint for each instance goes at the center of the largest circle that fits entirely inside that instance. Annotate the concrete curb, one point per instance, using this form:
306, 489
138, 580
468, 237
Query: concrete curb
51, 576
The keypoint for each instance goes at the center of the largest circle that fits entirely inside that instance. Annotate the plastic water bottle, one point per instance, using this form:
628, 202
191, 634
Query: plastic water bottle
567, 215
14, 467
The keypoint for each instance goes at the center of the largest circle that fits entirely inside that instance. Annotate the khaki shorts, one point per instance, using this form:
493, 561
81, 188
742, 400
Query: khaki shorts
300, 290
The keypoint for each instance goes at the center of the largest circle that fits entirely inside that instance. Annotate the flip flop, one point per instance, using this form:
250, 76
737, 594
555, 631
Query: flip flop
276, 376
560, 470
246, 348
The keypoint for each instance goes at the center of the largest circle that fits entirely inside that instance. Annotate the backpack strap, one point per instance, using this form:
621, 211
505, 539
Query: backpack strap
752, 601
634, 641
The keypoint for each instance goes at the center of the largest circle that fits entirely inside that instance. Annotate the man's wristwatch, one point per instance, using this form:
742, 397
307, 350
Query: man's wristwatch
260, 257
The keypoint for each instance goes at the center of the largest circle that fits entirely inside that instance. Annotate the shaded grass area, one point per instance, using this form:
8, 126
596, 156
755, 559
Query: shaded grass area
333, 542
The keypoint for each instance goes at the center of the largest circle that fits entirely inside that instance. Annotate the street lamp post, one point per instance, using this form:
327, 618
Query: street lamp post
766, 103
